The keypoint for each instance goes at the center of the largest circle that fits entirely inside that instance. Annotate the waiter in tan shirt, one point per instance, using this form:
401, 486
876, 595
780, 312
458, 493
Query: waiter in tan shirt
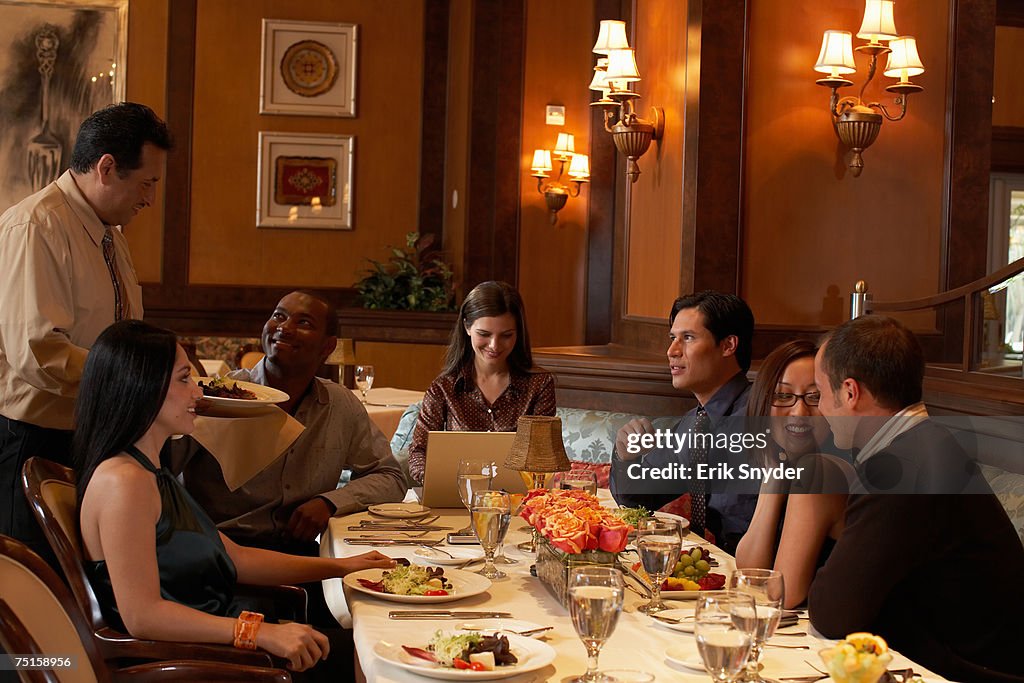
65, 275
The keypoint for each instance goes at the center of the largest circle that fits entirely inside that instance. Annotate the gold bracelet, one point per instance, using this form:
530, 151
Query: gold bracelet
246, 628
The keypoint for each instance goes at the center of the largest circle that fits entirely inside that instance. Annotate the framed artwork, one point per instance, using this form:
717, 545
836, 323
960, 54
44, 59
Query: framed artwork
305, 181
60, 60
309, 68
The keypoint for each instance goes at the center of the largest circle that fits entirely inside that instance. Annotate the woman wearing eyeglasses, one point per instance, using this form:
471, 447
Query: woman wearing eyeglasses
794, 525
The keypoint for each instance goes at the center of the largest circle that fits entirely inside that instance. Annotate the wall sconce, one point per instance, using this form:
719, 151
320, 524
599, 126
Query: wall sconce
556, 194
612, 77
855, 123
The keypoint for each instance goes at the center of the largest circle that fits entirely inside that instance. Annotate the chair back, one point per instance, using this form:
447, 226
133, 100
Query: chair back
38, 612
50, 488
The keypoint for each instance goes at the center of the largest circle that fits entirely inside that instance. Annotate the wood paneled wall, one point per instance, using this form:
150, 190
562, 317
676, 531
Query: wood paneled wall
1008, 96
552, 263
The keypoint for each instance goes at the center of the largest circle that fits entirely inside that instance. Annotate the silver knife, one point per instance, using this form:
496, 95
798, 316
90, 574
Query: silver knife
447, 614
400, 528
390, 541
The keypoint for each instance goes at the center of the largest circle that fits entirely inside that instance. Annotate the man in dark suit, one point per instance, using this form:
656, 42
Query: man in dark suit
923, 530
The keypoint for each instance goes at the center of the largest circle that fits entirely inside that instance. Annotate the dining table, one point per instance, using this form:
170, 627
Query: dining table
640, 648
385, 406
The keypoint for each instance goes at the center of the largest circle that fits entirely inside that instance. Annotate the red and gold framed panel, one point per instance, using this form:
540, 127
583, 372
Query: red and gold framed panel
309, 68
305, 181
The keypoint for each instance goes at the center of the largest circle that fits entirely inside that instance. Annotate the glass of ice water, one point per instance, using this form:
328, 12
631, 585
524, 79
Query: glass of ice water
659, 542
364, 379
595, 602
768, 591
724, 622
490, 514
473, 476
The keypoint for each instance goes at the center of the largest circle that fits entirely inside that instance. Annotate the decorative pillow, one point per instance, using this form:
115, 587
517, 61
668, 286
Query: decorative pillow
402, 439
589, 435
1009, 489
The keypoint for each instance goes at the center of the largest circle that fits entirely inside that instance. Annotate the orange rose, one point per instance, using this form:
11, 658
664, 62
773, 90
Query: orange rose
613, 534
567, 532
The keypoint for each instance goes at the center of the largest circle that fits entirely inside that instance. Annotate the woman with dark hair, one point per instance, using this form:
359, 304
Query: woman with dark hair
156, 559
489, 380
795, 524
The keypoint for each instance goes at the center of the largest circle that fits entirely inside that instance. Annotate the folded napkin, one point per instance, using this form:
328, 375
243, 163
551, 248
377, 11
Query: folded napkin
245, 446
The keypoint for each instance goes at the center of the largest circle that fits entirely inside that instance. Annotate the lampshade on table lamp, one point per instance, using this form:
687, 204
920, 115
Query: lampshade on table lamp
537, 452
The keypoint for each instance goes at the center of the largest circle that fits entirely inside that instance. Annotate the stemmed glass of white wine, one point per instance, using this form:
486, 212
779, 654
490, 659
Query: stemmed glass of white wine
768, 590
490, 514
595, 603
659, 542
364, 379
724, 624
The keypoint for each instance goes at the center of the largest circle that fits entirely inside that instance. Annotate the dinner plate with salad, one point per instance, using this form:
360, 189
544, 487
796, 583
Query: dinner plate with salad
468, 655
417, 584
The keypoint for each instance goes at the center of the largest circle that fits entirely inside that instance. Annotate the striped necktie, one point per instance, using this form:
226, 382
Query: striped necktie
120, 294
698, 487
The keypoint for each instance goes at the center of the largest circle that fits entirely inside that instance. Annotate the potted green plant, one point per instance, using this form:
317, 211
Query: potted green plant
413, 279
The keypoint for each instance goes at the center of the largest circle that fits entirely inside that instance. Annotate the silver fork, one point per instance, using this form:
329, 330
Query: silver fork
419, 534
443, 552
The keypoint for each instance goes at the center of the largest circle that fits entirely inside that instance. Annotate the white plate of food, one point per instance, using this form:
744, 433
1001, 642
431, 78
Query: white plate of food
223, 392
530, 655
417, 584
399, 510
455, 556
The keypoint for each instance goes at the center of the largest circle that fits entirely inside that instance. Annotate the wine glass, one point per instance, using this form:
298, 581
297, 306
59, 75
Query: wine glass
724, 624
768, 589
473, 476
516, 503
595, 602
490, 513
659, 542
582, 480
364, 379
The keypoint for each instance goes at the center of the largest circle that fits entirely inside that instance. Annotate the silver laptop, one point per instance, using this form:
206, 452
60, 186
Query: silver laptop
446, 449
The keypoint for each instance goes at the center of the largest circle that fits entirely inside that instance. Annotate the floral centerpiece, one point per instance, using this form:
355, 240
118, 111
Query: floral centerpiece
574, 531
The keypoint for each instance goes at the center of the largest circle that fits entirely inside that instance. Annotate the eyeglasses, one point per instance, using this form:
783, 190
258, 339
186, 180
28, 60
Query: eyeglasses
781, 399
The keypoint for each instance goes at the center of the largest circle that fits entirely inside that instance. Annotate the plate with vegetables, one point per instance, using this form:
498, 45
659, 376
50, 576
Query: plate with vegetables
417, 584
468, 655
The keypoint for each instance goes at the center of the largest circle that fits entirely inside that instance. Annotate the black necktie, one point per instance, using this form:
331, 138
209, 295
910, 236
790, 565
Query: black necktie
120, 295
698, 488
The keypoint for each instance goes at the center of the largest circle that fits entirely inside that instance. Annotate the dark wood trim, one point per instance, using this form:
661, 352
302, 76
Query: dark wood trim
181, 69
433, 134
1010, 13
601, 211
718, 182
1008, 149
964, 246
492, 224
232, 310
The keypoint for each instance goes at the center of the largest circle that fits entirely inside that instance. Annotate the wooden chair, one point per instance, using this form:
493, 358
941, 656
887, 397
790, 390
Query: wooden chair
50, 489
248, 356
39, 616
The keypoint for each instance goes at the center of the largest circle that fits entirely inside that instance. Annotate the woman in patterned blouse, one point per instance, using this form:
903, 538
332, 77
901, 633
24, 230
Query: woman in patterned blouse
489, 379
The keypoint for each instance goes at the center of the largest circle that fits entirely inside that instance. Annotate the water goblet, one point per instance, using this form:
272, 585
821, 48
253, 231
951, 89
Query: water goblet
364, 379
768, 589
724, 624
490, 513
581, 480
595, 602
516, 502
473, 476
659, 542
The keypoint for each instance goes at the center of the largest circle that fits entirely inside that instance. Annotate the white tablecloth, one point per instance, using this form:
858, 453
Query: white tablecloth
636, 644
385, 406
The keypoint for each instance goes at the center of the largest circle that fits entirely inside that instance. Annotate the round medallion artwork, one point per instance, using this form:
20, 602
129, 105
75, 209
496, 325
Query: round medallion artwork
309, 68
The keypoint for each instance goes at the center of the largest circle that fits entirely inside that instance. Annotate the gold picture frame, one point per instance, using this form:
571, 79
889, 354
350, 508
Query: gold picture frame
309, 68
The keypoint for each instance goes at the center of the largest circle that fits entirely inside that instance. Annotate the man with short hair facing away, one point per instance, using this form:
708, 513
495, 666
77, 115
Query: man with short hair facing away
288, 504
923, 531
709, 354
65, 275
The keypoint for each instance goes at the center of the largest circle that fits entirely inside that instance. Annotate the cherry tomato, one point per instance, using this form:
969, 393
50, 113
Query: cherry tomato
460, 664
439, 591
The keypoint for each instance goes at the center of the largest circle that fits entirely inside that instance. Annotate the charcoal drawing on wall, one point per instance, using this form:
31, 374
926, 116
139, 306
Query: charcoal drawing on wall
58, 63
